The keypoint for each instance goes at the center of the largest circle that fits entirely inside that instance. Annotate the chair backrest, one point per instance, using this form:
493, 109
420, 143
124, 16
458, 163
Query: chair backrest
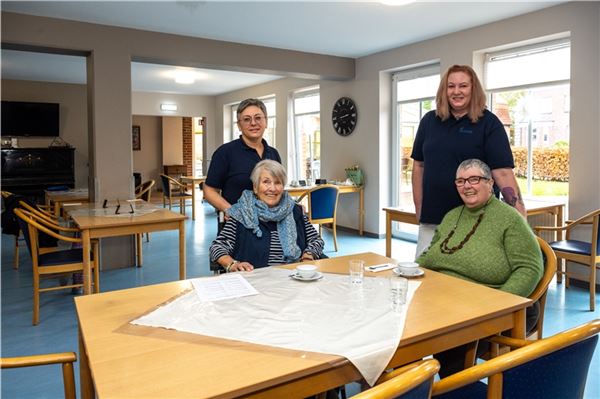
554, 367
410, 382
540, 291
144, 190
322, 202
66, 359
166, 182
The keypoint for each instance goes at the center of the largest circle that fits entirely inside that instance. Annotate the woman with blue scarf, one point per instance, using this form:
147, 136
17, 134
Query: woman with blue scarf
265, 227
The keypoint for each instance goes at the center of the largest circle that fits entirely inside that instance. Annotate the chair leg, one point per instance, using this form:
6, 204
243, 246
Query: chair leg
147, 237
560, 269
16, 259
334, 236
138, 248
592, 285
36, 298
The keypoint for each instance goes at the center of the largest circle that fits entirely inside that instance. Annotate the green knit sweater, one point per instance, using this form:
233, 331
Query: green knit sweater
503, 253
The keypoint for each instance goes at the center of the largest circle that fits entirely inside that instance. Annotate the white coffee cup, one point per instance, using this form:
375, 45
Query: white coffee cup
408, 268
306, 271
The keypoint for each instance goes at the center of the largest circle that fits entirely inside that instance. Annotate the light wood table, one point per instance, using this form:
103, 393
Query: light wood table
406, 214
56, 199
298, 191
103, 226
193, 181
118, 359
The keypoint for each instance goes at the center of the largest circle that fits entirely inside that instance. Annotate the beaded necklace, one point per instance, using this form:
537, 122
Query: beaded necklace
444, 245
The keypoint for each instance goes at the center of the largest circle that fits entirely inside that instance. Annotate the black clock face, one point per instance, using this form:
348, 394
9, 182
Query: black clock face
344, 116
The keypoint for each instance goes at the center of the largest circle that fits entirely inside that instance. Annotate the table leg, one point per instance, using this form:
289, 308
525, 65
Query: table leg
182, 250
361, 211
138, 247
388, 234
87, 275
86, 384
193, 202
518, 330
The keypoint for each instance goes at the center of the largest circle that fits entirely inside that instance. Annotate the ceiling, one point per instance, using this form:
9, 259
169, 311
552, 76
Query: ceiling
342, 28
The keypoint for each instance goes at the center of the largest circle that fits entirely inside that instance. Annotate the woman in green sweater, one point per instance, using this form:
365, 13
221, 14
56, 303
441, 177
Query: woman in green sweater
484, 241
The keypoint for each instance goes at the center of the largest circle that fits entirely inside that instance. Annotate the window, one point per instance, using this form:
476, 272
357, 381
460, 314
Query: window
304, 158
529, 92
269, 134
413, 96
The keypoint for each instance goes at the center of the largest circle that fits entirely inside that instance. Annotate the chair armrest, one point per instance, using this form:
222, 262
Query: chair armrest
388, 376
550, 228
38, 360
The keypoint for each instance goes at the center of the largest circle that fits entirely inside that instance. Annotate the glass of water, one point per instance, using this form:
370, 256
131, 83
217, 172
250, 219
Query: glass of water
398, 292
357, 270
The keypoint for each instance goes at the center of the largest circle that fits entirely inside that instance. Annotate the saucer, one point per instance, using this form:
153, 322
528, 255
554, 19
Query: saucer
317, 276
418, 272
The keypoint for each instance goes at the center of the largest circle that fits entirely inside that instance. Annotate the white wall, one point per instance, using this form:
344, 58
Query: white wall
172, 140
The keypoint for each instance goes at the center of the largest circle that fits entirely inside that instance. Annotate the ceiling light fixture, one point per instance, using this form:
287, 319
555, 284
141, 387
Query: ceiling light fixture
185, 77
168, 107
396, 2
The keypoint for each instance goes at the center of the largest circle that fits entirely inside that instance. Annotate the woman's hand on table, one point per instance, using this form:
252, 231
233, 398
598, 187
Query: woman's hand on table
307, 256
241, 267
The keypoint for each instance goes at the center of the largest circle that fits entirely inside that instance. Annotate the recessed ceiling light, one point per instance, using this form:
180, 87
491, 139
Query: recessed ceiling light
184, 77
396, 2
168, 107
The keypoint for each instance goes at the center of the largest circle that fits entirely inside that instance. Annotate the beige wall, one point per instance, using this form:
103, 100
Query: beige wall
109, 52
172, 140
148, 161
73, 117
369, 145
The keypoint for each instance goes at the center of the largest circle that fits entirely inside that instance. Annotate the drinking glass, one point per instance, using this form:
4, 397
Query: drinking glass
357, 270
398, 292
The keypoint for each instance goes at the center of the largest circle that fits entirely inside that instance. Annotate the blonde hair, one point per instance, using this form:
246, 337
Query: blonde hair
478, 100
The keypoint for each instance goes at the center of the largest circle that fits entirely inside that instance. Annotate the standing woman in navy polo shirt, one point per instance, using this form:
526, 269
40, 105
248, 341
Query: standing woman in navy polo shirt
460, 128
229, 172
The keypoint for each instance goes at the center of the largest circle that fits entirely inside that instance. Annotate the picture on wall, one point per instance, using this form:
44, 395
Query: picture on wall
135, 138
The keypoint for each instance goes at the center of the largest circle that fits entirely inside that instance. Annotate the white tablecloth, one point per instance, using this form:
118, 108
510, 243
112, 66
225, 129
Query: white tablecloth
327, 316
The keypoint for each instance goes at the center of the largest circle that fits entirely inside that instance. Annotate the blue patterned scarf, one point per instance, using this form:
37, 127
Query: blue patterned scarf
249, 210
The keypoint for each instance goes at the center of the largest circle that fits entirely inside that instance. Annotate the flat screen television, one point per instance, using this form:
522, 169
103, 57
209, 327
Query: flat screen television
30, 119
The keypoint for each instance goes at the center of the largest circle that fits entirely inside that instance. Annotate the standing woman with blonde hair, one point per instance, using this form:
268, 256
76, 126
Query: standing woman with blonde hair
460, 128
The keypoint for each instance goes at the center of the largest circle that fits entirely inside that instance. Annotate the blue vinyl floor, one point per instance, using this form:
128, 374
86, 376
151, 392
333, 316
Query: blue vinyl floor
57, 330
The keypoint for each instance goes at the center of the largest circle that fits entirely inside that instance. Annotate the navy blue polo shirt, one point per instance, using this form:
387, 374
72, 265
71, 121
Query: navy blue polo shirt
231, 166
443, 145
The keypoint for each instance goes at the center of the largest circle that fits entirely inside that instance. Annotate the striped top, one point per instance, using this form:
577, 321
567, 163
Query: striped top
225, 242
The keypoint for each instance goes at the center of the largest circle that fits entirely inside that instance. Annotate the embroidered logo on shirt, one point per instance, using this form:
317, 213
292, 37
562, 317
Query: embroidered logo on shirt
465, 130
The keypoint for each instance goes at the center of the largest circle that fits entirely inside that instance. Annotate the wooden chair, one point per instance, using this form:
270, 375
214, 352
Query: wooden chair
413, 381
584, 252
144, 192
173, 189
538, 295
549, 368
53, 262
66, 359
322, 207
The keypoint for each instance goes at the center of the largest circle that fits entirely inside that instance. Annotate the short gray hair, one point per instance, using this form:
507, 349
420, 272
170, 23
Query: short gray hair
249, 102
476, 163
273, 167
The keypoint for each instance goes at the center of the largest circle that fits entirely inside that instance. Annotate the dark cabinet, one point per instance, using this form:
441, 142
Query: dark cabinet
30, 171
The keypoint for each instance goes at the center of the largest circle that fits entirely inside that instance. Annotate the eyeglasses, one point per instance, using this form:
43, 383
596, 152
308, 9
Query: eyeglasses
247, 120
473, 180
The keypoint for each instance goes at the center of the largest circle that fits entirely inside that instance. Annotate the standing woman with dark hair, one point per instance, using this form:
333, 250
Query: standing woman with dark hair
460, 128
229, 172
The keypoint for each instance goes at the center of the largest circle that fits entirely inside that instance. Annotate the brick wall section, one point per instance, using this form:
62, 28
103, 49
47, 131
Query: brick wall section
187, 145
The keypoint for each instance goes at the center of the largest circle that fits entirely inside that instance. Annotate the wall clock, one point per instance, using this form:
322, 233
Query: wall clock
344, 116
